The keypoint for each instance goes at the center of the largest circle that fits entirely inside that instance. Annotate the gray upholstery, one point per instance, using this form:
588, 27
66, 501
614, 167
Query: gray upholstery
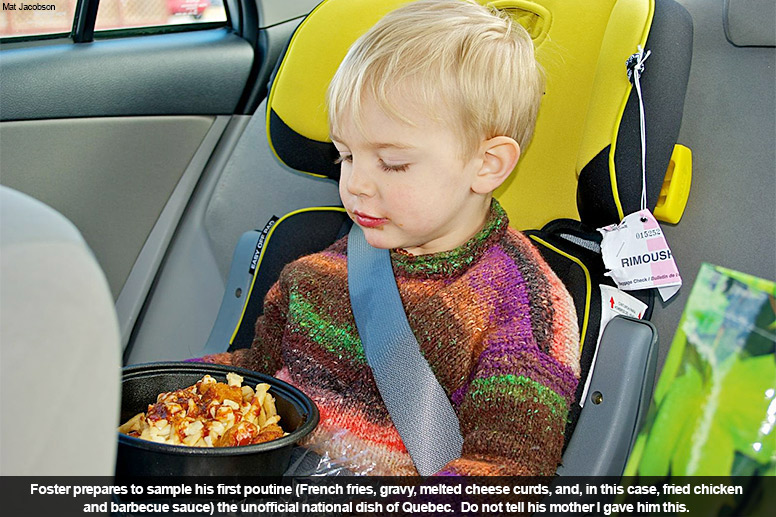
751, 23
110, 176
59, 356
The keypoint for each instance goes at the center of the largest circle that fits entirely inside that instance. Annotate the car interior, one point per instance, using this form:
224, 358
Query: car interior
154, 185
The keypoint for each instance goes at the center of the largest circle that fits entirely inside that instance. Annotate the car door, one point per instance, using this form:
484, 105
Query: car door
115, 115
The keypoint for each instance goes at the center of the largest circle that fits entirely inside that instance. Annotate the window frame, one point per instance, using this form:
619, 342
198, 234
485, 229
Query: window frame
85, 18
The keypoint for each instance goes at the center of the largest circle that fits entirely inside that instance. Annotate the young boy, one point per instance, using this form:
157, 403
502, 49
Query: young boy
429, 111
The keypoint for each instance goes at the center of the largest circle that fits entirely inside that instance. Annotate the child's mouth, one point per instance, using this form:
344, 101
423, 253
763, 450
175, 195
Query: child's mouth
368, 221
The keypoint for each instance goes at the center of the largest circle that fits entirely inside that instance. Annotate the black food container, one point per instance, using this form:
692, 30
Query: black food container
141, 384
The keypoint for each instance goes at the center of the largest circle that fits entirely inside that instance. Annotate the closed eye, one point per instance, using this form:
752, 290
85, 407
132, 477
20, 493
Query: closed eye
343, 158
401, 167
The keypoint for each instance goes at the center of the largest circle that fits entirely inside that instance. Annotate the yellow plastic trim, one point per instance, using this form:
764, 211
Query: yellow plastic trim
587, 285
261, 255
676, 186
621, 112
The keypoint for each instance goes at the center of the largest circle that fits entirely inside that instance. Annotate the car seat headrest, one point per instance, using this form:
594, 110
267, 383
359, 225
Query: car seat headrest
296, 118
584, 159
297, 124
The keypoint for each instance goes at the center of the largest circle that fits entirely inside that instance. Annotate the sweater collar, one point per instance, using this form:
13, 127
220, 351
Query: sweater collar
456, 261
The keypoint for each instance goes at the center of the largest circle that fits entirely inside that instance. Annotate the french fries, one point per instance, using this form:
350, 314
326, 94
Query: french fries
210, 414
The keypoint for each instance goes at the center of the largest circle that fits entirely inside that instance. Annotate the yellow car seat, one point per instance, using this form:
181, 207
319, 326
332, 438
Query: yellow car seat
582, 170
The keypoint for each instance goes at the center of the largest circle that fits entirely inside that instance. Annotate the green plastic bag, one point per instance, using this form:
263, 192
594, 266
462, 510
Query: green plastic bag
714, 408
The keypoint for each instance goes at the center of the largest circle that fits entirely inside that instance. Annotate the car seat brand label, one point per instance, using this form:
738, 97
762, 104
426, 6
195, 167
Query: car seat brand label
260, 244
638, 257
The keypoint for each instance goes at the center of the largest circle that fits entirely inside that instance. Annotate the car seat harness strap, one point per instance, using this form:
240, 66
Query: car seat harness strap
417, 403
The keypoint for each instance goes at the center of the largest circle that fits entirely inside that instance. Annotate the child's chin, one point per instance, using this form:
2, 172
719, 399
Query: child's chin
377, 239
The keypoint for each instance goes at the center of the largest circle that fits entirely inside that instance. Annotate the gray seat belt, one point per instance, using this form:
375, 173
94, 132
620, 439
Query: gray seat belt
418, 405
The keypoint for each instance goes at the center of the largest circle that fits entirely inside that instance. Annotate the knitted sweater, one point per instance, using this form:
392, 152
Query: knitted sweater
496, 325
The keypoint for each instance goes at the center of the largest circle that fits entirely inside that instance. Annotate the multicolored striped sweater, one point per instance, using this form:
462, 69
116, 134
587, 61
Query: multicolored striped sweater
496, 325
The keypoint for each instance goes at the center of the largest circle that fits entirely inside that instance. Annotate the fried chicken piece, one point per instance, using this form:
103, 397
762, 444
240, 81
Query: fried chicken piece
269, 433
220, 392
243, 433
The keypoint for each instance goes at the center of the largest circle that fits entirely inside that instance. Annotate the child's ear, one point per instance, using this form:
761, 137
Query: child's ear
499, 157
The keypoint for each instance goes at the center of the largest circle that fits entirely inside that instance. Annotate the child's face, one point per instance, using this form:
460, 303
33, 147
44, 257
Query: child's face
407, 186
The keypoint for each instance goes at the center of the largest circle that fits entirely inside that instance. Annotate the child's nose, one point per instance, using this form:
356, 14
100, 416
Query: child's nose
359, 182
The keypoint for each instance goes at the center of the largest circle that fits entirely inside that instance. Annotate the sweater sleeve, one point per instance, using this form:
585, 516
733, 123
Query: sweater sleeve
264, 354
513, 411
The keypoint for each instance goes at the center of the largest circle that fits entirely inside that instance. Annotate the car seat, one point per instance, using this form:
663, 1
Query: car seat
61, 359
582, 170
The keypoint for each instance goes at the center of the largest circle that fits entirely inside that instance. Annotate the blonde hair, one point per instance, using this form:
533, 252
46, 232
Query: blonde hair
472, 66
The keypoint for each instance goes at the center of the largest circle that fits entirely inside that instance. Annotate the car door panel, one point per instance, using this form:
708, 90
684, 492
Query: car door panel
202, 72
110, 176
103, 131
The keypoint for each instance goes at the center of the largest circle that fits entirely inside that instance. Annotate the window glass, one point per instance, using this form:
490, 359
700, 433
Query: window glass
41, 17
27, 17
123, 14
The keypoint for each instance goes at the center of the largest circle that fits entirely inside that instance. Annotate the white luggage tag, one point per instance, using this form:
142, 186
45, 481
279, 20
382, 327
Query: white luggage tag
638, 257
635, 251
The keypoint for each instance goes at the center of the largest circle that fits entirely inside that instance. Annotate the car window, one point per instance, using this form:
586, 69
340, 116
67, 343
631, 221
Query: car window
124, 14
23, 18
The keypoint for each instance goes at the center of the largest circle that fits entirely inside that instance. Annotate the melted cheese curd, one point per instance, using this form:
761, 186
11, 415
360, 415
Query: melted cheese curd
210, 414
